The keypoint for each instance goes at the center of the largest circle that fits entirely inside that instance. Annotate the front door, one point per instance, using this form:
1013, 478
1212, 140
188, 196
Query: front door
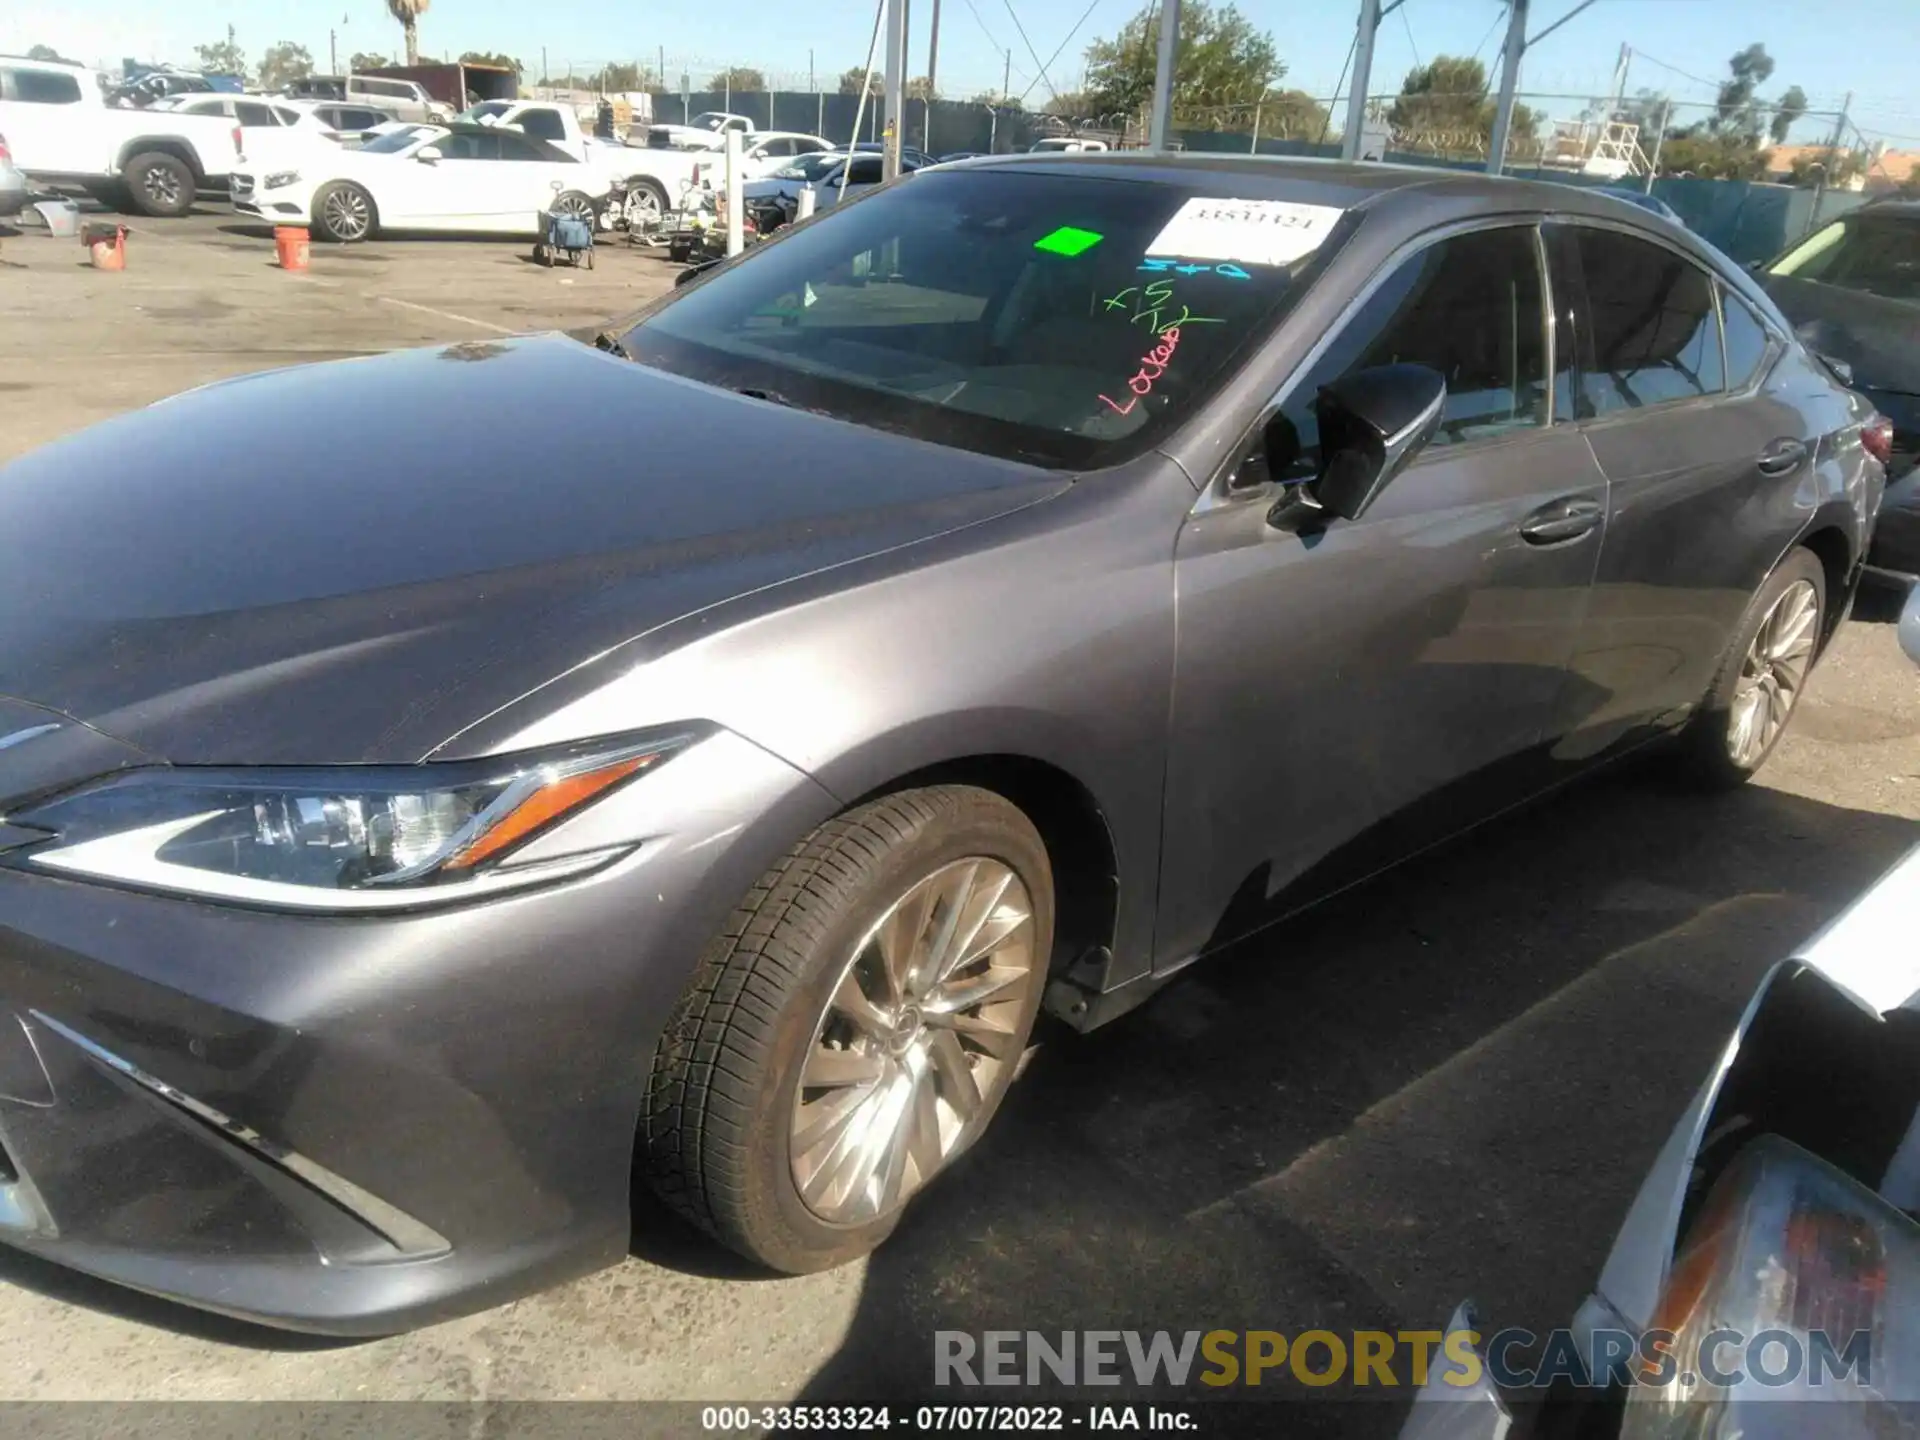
1346, 695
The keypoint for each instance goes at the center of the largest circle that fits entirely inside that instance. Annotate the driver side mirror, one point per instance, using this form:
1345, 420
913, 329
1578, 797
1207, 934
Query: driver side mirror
1372, 423
428, 155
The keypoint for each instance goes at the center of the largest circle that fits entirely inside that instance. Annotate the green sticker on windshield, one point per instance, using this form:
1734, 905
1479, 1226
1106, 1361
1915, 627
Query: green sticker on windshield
1069, 240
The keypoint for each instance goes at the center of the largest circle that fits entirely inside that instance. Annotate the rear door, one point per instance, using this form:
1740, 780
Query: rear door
1701, 474
1349, 692
525, 181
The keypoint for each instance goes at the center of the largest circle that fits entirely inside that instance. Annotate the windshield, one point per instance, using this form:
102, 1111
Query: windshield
1060, 319
809, 167
710, 120
390, 141
1879, 254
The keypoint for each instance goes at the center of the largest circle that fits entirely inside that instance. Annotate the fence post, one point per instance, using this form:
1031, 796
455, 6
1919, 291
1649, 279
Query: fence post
1254, 148
1653, 160
736, 197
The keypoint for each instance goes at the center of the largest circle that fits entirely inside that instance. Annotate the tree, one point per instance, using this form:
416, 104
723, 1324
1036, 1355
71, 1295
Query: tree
365, 60
499, 62
851, 80
47, 52
1830, 169
283, 62
223, 58
408, 13
738, 77
1734, 110
1444, 106
1792, 106
1292, 115
1222, 60
1696, 150
621, 78
921, 88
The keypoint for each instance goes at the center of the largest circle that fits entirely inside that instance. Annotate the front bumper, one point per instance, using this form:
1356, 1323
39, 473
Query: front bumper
357, 1125
283, 205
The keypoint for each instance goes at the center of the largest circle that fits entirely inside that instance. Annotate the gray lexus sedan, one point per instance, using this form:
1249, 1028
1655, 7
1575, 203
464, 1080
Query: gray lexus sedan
1034, 577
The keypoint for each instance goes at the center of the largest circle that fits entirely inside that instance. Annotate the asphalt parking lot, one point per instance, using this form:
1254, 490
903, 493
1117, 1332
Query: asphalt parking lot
1445, 1085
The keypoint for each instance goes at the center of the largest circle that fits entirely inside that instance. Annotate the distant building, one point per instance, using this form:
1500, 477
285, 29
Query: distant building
1886, 169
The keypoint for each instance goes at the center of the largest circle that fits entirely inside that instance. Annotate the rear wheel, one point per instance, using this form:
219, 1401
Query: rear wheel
343, 212
1760, 681
160, 184
854, 1028
646, 202
579, 206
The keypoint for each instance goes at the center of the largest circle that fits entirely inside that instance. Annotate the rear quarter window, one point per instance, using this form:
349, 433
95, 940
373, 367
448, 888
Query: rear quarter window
40, 87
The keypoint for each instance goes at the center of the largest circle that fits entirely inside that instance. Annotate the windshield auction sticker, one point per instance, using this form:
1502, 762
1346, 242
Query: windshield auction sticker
1246, 232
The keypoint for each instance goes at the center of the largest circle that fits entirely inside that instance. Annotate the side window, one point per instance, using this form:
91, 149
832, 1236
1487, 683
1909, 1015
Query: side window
512, 147
542, 125
469, 147
1654, 333
865, 171
362, 119
1746, 339
808, 147
1469, 307
286, 116
248, 112
45, 87
774, 150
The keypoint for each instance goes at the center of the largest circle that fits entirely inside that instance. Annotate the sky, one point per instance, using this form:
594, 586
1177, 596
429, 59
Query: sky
1680, 46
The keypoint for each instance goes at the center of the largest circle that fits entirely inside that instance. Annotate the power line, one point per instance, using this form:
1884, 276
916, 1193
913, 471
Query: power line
1402, 7
1014, 16
1497, 19
998, 47
1061, 46
1684, 74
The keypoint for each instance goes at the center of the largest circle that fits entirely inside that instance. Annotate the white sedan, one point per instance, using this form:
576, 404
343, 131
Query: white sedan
471, 178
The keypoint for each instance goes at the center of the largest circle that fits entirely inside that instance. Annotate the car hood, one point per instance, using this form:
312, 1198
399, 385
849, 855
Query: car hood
353, 561
1879, 338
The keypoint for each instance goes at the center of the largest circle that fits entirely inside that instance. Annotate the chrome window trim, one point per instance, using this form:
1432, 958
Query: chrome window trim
1218, 490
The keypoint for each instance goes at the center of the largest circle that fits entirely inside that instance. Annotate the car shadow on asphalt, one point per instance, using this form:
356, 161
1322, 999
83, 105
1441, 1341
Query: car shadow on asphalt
1446, 1083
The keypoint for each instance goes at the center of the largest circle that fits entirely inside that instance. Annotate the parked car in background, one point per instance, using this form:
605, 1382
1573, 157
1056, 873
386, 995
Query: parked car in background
1067, 145
830, 176
702, 132
1852, 290
14, 188
61, 127
400, 99
1178, 542
1782, 1204
471, 178
654, 180
1645, 201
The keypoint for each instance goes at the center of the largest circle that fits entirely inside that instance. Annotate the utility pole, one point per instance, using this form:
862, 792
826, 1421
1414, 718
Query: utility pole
660, 75
1351, 137
1619, 82
1254, 148
1161, 122
896, 88
546, 75
1511, 54
1653, 161
333, 55
933, 61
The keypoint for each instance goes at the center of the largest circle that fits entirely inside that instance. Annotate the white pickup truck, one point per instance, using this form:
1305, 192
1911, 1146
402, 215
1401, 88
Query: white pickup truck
60, 127
655, 179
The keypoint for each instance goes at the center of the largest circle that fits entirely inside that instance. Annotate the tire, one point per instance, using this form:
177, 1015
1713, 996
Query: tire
644, 193
159, 184
110, 194
768, 1020
573, 202
1759, 683
344, 213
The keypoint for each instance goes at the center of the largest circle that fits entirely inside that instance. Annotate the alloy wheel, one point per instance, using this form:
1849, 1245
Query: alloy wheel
925, 1019
1773, 672
162, 186
347, 214
578, 206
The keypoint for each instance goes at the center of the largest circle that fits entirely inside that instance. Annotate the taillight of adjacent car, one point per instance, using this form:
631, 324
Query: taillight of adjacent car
1876, 438
5, 154
236, 140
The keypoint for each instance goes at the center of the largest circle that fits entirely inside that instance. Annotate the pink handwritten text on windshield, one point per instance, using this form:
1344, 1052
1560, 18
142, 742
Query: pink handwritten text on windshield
1153, 365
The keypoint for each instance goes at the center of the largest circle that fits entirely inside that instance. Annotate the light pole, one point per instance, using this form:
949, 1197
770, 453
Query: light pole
1161, 123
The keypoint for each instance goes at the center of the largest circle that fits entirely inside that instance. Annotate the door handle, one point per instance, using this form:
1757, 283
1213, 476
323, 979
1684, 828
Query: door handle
1781, 457
1560, 520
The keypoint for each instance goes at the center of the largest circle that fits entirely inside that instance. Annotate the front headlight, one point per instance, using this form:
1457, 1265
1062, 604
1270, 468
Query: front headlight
1795, 1284
347, 838
284, 177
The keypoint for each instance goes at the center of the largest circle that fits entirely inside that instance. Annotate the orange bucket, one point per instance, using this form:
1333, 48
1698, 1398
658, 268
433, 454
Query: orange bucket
291, 242
106, 246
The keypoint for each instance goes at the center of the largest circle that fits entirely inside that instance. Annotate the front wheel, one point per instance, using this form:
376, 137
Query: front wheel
578, 206
160, 184
1761, 680
344, 213
854, 1028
